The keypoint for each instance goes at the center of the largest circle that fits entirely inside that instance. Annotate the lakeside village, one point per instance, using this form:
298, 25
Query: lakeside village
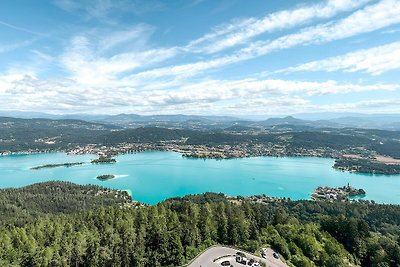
207, 152
357, 159
322, 193
193, 151
337, 193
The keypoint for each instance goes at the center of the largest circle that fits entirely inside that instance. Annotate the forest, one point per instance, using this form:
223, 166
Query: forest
72, 225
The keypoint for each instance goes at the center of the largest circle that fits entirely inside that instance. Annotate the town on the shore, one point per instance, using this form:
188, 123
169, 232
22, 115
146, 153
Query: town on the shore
351, 159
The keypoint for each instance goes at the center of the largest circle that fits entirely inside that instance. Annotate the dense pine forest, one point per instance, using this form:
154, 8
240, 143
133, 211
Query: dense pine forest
62, 224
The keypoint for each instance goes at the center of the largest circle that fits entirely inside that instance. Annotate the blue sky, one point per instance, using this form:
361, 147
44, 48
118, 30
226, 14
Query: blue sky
227, 57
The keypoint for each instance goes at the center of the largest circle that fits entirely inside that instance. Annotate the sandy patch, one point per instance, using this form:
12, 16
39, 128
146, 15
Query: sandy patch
387, 160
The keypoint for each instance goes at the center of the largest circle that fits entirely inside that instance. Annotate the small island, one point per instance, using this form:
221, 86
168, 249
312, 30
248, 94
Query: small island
105, 177
326, 193
56, 165
103, 160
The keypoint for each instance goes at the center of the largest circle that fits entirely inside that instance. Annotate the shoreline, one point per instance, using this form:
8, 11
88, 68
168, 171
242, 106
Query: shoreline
256, 198
183, 155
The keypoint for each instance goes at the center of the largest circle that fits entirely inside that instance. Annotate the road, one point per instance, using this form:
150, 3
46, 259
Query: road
207, 258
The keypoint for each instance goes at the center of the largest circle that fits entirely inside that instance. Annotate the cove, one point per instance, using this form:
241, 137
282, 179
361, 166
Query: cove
154, 176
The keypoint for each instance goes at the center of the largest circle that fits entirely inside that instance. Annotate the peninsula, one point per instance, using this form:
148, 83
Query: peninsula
326, 193
366, 165
47, 166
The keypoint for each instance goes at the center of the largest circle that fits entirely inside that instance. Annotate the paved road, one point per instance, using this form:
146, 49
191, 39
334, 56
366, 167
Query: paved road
207, 258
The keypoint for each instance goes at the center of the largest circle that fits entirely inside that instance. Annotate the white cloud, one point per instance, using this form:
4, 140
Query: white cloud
371, 18
93, 9
252, 87
18, 28
89, 67
391, 31
43, 56
239, 32
287, 106
135, 36
4, 48
28, 92
386, 105
117, 71
375, 61
98, 9
93, 61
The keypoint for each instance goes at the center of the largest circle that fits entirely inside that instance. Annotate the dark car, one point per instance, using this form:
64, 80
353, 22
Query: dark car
241, 254
276, 255
225, 263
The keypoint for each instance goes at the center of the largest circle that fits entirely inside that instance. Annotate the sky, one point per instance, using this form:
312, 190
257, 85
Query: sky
204, 57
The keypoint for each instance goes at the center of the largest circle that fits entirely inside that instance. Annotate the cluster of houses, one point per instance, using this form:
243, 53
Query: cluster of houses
336, 193
251, 150
264, 199
110, 150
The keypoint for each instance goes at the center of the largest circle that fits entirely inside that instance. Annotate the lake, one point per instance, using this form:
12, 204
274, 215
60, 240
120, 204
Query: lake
154, 176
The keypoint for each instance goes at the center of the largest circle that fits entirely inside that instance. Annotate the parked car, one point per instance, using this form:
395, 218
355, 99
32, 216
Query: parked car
242, 260
225, 263
276, 255
241, 254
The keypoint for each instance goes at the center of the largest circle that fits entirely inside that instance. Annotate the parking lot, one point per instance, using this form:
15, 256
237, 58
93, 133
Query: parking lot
214, 256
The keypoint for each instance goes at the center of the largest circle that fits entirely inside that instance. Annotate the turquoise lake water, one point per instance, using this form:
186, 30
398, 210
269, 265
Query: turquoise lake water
154, 176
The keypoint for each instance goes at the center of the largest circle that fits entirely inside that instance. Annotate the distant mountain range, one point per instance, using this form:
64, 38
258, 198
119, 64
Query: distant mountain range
301, 121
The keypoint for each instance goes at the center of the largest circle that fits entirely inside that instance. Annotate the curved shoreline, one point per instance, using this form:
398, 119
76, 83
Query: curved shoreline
183, 155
